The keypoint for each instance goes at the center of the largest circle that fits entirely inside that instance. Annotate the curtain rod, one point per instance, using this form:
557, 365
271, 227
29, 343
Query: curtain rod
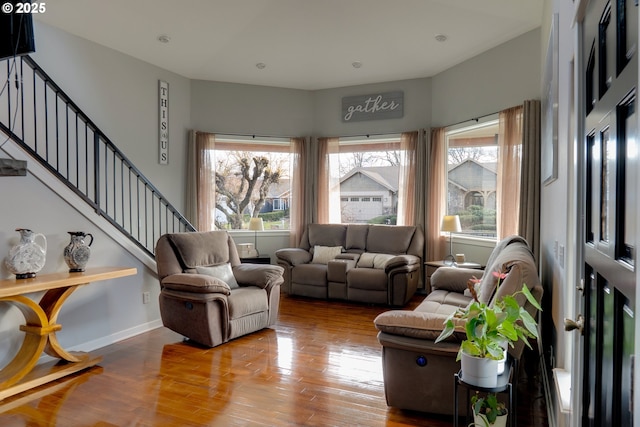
252, 136
476, 119
368, 135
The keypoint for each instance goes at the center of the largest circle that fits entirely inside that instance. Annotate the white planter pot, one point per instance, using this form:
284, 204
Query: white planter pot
481, 421
479, 371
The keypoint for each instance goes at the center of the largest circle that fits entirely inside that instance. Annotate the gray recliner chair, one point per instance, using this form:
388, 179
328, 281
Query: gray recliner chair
207, 295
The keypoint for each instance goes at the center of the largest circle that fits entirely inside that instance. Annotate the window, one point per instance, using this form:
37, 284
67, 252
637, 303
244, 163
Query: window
369, 178
472, 169
252, 175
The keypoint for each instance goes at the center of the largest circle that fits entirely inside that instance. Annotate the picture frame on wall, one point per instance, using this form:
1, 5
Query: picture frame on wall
550, 107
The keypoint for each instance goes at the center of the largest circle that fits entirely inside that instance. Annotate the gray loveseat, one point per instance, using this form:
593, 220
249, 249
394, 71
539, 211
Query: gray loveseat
418, 374
378, 264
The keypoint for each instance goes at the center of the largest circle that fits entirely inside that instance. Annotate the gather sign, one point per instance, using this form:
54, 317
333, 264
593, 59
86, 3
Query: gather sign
379, 106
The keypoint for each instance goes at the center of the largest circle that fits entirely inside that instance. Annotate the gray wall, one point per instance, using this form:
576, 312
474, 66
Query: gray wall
250, 110
417, 109
500, 78
120, 94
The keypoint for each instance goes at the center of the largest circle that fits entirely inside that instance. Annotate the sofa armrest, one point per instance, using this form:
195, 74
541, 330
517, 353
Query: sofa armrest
416, 324
294, 256
337, 269
261, 275
402, 261
453, 279
418, 345
348, 255
195, 283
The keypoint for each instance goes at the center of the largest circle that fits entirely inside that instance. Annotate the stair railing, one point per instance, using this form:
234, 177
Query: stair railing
46, 123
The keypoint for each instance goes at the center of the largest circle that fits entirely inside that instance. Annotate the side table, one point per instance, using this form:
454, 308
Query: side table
431, 266
505, 384
260, 259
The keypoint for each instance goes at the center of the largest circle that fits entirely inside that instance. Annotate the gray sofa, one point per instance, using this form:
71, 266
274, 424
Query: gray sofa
379, 264
207, 295
419, 374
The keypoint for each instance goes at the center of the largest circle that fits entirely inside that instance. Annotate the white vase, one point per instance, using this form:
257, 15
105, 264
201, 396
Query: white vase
27, 257
479, 371
480, 420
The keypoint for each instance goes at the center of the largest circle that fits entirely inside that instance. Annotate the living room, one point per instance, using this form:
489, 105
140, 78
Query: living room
119, 93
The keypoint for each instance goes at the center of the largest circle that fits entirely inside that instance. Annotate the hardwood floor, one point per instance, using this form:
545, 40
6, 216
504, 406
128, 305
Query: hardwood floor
319, 366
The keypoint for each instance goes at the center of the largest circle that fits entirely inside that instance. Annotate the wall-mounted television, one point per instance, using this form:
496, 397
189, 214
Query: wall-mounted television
16, 32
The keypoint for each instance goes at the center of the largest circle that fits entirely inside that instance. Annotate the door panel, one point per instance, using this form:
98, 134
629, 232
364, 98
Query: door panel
609, 75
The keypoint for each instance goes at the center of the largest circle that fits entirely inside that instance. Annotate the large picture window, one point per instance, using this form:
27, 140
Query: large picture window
252, 179
472, 177
369, 180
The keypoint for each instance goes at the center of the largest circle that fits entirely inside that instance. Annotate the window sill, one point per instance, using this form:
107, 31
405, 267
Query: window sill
562, 379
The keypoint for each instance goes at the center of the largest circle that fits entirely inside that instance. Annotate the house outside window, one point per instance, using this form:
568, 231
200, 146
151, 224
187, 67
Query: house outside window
252, 178
369, 179
472, 165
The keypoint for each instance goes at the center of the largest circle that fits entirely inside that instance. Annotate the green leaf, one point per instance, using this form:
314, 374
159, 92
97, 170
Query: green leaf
470, 348
507, 330
511, 307
447, 331
529, 322
530, 298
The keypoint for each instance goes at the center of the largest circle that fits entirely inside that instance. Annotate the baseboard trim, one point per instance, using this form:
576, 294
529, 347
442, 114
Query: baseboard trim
109, 339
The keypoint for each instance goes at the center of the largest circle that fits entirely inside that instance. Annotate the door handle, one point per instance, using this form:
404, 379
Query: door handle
572, 325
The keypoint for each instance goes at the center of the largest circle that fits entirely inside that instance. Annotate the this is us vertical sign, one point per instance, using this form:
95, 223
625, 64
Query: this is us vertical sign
163, 121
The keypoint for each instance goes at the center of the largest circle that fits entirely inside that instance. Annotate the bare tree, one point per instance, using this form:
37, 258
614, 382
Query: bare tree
392, 157
242, 183
458, 155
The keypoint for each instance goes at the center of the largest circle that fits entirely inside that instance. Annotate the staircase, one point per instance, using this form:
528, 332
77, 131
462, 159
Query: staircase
44, 122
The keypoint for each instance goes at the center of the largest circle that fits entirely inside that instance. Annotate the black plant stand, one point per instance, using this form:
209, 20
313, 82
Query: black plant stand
505, 384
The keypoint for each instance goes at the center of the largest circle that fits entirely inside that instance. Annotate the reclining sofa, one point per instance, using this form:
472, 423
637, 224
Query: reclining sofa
379, 264
419, 374
207, 295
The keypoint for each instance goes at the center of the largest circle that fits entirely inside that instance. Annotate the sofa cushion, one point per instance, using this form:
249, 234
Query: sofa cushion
324, 254
443, 302
222, 272
195, 283
200, 249
514, 253
327, 234
357, 236
390, 239
310, 274
373, 260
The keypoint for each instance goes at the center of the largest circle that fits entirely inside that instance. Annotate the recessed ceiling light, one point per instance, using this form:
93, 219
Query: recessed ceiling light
356, 64
440, 37
164, 38
261, 65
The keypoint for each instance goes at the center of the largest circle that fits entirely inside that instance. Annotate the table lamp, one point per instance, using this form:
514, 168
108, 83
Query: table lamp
450, 223
256, 225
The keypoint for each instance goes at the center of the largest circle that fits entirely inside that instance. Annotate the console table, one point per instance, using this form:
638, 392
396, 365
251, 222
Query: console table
23, 372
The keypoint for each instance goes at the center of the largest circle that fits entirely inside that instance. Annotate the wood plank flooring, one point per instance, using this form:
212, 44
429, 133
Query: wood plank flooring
319, 366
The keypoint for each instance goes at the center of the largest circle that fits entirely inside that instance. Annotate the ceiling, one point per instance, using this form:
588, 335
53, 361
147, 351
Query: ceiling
303, 44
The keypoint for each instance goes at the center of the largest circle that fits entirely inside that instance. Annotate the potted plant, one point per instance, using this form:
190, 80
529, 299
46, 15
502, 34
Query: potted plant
488, 411
489, 329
